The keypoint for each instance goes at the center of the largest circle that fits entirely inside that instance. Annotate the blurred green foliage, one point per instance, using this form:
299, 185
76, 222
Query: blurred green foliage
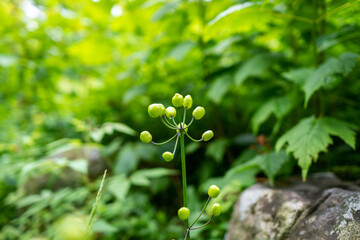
76, 78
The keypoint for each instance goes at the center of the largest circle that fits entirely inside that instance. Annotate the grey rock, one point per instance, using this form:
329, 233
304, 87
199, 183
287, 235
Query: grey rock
323, 208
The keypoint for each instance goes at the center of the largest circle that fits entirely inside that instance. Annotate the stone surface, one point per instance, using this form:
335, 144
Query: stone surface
323, 208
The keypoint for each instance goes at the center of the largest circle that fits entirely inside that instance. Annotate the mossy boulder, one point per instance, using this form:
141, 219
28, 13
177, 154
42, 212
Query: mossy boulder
322, 208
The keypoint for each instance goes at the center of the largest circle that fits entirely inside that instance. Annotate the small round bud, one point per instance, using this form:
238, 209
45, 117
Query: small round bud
214, 191
145, 137
170, 112
184, 125
183, 213
177, 100
156, 110
187, 102
207, 135
163, 110
216, 209
198, 113
168, 156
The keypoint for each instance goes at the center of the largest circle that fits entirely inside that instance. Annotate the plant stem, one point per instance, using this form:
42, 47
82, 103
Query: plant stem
206, 204
183, 173
212, 216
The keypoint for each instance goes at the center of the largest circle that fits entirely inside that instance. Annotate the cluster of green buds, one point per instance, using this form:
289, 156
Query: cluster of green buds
215, 210
167, 116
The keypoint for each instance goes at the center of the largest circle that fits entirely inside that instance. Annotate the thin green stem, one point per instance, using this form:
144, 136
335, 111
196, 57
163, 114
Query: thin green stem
169, 126
165, 141
174, 121
212, 216
176, 143
193, 138
168, 122
206, 204
192, 119
183, 173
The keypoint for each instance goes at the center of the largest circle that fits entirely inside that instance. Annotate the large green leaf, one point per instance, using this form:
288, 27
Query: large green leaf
312, 136
327, 73
279, 106
254, 67
243, 17
219, 87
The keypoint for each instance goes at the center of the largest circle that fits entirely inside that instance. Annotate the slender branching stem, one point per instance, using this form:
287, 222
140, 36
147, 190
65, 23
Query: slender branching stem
212, 216
166, 124
176, 143
174, 121
192, 119
206, 204
193, 138
165, 141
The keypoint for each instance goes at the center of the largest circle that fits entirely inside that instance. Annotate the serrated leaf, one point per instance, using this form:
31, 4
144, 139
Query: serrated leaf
327, 72
279, 106
254, 67
312, 136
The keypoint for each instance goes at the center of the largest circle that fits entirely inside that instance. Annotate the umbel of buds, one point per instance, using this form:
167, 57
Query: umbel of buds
167, 116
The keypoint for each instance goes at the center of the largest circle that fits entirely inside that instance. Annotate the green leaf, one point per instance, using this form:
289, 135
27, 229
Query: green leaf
216, 149
312, 136
109, 128
142, 177
219, 87
239, 18
104, 227
279, 106
254, 67
119, 186
180, 51
327, 73
271, 163
298, 76
127, 160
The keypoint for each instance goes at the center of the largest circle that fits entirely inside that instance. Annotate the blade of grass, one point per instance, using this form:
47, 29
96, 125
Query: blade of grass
94, 208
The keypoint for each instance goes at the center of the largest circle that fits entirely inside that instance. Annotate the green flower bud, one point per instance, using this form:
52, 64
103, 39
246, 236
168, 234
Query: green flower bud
184, 126
187, 102
198, 113
214, 191
183, 213
216, 209
170, 112
156, 110
145, 137
168, 156
207, 135
177, 100
163, 110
